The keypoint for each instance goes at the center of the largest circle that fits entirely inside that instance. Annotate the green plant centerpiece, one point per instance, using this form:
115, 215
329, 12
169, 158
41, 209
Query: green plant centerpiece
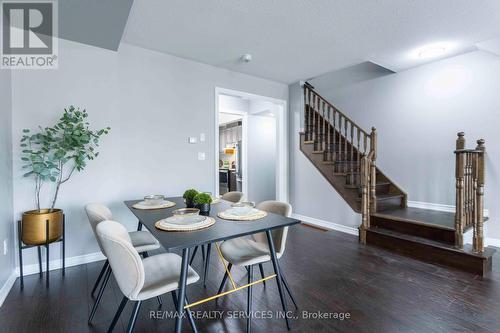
189, 196
51, 155
202, 201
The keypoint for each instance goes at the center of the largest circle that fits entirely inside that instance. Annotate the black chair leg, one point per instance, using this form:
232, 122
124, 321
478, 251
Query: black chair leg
174, 298
192, 256
285, 283
117, 314
99, 295
261, 269
99, 278
20, 245
133, 317
40, 260
190, 317
249, 300
224, 279
207, 263
47, 245
160, 300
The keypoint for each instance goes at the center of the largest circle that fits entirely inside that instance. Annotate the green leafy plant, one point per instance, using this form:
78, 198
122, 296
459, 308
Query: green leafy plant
202, 198
54, 153
190, 194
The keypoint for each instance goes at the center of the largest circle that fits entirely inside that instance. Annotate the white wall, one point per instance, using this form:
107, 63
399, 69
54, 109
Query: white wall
417, 114
6, 206
152, 102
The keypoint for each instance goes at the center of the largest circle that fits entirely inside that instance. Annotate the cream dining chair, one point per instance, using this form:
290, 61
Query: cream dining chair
142, 241
140, 279
233, 196
248, 252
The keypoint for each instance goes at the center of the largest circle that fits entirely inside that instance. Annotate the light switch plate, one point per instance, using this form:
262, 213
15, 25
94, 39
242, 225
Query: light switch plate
201, 156
192, 139
202, 137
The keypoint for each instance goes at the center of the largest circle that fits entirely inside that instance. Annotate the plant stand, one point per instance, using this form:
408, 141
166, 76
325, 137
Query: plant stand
22, 247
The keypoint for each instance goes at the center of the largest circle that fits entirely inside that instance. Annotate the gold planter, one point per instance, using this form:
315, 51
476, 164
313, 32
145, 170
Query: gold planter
33, 226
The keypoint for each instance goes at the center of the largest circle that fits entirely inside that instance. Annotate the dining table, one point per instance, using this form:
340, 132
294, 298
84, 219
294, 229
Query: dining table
220, 231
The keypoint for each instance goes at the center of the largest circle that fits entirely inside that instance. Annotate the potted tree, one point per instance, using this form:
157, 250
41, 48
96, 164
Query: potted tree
189, 196
52, 155
202, 201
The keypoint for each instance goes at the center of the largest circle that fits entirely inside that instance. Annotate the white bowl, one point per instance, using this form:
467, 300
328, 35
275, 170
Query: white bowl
154, 199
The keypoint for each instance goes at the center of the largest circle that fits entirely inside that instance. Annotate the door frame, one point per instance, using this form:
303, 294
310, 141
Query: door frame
281, 142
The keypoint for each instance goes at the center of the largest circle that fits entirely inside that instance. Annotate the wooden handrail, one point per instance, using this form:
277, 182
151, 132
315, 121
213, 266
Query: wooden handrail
470, 176
351, 149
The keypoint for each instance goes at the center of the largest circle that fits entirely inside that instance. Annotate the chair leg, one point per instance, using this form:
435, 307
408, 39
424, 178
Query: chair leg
207, 263
99, 278
190, 317
261, 269
117, 314
192, 256
249, 300
99, 295
174, 298
160, 300
47, 245
20, 245
39, 260
287, 287
133, 317
224, 279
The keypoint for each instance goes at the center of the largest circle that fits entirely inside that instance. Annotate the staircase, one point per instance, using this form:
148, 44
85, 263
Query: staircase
345, 154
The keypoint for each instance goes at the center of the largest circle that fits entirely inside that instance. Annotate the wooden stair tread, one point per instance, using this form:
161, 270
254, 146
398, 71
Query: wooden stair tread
467, 250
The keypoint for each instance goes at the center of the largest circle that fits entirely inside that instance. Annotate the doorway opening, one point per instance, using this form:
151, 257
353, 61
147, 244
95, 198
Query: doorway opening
250, 145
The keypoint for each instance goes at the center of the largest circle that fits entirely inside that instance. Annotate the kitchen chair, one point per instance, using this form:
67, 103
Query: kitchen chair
233, 196
142, 241
140, 279
248, 252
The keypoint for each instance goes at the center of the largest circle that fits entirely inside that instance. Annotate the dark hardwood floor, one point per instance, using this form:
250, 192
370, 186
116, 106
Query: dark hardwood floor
328, 271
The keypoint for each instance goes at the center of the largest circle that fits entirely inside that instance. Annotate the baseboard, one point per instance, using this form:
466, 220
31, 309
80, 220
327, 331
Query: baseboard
57, 263
326, 224
438, 207
7, 286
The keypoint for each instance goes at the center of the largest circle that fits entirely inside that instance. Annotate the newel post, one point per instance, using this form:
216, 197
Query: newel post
478, 239
373, 171
365, 206
459, 175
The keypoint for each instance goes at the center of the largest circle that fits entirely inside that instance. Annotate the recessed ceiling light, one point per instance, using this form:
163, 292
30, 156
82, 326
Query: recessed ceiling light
432, 52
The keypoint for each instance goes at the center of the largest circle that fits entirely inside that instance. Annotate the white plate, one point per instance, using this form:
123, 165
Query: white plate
189, 220
242, 212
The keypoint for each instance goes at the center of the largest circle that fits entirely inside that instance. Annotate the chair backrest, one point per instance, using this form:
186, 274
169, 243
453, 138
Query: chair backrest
97, 213
123, 258
279, 235
233, 196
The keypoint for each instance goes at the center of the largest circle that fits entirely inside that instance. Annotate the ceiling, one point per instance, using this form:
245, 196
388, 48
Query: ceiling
292, 40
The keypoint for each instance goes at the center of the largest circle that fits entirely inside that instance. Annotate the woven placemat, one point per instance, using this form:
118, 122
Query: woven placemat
141, 205
226, 216
209, 223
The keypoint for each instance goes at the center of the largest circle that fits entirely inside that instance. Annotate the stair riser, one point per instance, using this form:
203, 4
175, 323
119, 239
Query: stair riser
389, 203
380, 189
419, 230
428, 253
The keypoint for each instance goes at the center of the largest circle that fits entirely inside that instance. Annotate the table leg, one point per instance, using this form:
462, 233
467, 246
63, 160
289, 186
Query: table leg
207, 263
278, 275
182, 290
139, 226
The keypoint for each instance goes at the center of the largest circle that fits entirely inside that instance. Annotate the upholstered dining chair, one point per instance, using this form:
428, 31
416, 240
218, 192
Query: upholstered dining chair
142, 241
233, 196
140, 279
248, 252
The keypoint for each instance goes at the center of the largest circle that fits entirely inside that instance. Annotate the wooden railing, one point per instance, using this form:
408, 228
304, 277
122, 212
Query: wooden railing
470, 172
351, 149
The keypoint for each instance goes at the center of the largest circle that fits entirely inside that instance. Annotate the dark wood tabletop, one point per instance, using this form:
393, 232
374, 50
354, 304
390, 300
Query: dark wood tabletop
221, 230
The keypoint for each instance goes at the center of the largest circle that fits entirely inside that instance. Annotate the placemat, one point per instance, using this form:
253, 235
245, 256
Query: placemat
227, 216
142, 205
209, 222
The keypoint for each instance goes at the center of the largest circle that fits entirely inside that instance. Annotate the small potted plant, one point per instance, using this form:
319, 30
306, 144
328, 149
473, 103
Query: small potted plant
202, 201
189, 197
51, 155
